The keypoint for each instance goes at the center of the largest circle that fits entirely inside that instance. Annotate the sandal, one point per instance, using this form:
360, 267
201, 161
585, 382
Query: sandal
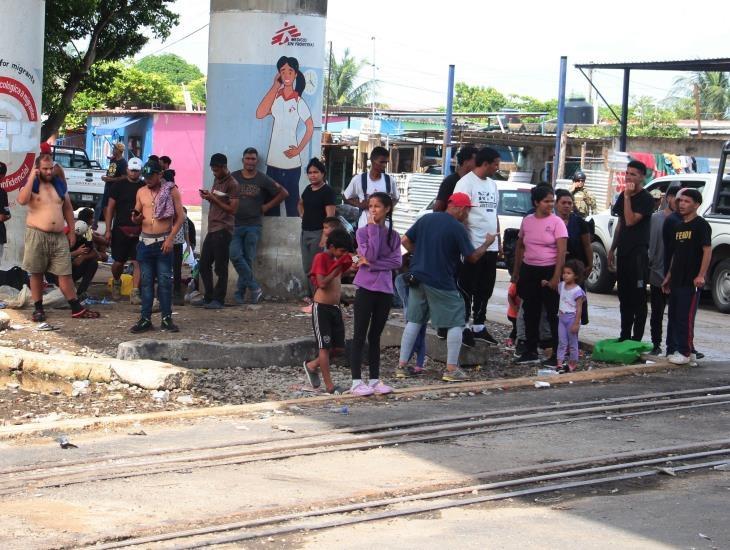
337, 390
86, 314
39, 316
312, 377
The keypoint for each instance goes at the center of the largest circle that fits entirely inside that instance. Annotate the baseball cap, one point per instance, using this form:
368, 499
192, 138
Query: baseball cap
656, 193
460, 199
81, 227
134, 164
45, 148
119, 146
151, 167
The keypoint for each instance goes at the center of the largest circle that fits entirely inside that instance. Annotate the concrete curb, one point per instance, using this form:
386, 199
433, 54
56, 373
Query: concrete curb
47, 428
209, 355
150, 375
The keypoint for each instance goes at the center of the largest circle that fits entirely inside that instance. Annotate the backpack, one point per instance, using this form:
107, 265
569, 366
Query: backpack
509, 246
364, 183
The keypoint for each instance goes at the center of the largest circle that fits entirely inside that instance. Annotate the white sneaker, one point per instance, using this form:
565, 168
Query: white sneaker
678, 359
692, 359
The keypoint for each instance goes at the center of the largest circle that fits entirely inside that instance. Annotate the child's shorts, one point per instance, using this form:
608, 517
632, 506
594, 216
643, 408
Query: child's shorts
329, 328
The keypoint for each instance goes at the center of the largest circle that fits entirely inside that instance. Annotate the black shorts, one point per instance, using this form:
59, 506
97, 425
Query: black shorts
329, 328
124, 248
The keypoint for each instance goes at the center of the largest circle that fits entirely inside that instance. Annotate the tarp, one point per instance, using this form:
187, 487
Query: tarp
116, 124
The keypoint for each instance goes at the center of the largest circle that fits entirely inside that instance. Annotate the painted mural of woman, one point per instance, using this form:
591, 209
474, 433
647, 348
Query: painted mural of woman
284, 103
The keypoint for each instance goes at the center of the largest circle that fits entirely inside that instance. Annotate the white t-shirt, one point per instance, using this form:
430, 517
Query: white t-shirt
483, 213
568, 298
354, 190
286, 113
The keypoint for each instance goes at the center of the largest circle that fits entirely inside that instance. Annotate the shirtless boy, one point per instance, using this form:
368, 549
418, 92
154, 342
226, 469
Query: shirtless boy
46, 246
159, 210
329, 329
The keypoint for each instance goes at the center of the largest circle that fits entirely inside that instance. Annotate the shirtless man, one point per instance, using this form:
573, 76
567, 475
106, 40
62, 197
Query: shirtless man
46, 246
159, 210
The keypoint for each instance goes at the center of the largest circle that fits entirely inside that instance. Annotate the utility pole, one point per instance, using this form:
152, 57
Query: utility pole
446, 161
561, 118
698, 113
372, 95
327, 100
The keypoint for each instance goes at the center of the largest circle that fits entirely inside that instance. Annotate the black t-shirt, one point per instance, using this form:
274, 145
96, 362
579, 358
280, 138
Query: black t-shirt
446, 189
689, 239
3, 210
124, 194
670, 224
577, 227
314, 206
636, 236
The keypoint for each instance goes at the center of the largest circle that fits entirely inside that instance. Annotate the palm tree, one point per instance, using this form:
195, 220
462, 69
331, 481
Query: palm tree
714, 88
342, 82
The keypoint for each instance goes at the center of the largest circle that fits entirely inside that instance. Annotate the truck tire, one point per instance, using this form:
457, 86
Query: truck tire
601, 279
721, 286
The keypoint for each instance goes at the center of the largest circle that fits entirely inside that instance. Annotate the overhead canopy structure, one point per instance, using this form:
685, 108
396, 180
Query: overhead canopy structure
691, 65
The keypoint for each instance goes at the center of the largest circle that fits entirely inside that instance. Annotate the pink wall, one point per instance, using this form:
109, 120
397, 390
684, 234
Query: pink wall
182, 138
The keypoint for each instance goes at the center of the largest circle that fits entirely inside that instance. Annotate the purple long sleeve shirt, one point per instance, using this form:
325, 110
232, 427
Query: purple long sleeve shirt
383, 257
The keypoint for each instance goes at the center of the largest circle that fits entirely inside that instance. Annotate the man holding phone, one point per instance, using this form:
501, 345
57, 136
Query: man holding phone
121, 232
223, 199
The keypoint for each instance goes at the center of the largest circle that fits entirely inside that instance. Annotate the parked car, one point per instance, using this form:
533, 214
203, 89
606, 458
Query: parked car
83, 176
715, 189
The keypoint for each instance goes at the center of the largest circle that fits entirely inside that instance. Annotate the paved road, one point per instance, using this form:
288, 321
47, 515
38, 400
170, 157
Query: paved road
711, 334
667, 512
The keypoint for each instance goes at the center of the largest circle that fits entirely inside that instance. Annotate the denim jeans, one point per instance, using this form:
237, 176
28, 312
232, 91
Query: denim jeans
243, 253
288, 178
155, 265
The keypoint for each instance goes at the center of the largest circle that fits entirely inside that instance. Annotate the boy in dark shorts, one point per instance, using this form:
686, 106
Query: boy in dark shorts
686, 277
329, 329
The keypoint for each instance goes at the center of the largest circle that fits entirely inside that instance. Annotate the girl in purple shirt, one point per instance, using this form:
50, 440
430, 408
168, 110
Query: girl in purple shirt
378, 247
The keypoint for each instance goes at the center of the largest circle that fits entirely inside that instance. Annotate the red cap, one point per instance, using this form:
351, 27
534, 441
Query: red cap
45, 148
460, 199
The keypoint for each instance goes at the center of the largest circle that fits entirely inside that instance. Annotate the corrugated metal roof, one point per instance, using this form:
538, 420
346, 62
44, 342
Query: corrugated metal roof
712, 64
416, 193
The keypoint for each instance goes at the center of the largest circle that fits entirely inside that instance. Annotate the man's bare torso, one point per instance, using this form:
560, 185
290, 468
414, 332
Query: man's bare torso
45, 209
150, 225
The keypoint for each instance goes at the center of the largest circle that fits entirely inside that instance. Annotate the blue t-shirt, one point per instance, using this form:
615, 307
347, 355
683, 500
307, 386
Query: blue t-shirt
440, 241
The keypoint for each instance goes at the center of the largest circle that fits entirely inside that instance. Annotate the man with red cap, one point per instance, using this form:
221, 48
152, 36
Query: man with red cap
437, 242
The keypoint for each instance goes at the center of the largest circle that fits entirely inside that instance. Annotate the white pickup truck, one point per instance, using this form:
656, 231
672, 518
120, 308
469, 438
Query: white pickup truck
715, 189
83, 176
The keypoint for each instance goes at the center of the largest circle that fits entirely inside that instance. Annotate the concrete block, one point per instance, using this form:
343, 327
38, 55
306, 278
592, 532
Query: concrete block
152, 375
65, 366
208, 355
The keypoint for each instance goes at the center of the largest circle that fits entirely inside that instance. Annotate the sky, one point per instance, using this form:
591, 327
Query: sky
514, 50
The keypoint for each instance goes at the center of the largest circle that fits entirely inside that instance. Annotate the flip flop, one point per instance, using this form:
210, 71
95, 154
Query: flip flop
337, 390
46, 326
312, 377
86, 314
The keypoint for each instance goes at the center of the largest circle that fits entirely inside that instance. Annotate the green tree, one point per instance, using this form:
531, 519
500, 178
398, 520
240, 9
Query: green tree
342, 88
530, 104
174, 67
82, 33
198, 91
714, 88
471, 99
116, 85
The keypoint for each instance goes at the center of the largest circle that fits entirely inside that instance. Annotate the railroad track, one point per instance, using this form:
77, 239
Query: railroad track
519, 482
110, 467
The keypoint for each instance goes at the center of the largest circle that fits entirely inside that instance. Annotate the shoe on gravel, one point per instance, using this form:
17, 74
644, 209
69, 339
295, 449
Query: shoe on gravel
312, 377
381, 389
401, 372
39, 316
213, 304
551, 361
239, 299
484, 336
362, 390
416, 371
656, 350
199, 302
527, 358
168, 326
467, 338
456, 375
256, 295
679, 359
143, 325
442, 333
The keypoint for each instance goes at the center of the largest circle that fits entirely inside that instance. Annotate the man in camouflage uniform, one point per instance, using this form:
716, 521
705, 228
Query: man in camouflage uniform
584, 202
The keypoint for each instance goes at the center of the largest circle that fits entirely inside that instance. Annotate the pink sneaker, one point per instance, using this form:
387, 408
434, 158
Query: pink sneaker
381, 389
362, 390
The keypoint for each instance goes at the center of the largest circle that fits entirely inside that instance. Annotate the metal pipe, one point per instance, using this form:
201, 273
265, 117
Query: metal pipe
561, 116
624, 111
590, 81
446, 162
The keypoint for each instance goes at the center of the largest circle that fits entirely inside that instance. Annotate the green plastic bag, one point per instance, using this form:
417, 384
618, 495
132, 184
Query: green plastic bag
613, 351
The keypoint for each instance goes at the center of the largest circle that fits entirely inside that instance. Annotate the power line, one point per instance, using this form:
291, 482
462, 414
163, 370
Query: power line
179, 39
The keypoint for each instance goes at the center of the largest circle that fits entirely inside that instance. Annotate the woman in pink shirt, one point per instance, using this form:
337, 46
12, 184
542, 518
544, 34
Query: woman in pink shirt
539, 260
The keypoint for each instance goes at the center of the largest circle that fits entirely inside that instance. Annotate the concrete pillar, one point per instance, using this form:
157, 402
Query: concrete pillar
252, 103
21, 85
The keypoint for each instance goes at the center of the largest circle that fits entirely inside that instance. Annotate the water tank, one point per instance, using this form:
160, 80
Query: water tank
578, 111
